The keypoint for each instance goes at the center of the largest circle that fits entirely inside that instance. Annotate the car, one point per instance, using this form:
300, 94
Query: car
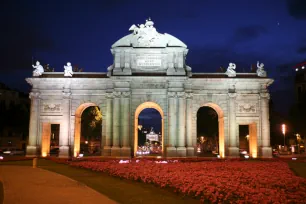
13, 152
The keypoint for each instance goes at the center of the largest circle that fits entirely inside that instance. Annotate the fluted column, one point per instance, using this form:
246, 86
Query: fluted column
181, 149
108, 123
34, 122
116, 124
265, 125
65, 125
233, 145
190, 148
172, 125
125, 124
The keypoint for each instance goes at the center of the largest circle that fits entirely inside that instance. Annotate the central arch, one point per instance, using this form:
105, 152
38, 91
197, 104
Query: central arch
220, 126
77, 127
139, 109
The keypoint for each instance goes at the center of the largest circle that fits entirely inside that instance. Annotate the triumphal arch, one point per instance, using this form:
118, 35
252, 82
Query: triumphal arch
149, 71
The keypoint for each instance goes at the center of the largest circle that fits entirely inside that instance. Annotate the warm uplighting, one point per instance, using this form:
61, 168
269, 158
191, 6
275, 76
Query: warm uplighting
86, 142
284, 129
44, 154
284, 133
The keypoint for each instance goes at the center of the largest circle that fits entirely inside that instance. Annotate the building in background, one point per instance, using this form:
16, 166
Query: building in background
14, 111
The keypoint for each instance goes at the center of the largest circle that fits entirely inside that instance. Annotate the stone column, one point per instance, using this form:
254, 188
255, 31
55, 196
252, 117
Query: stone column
65, 126
34, 124
125, 124
181, 142
233, 144
115, 151
266, 150
172, 125
109, 123
190, 148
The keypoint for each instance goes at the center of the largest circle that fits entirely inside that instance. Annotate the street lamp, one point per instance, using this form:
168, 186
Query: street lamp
284, 132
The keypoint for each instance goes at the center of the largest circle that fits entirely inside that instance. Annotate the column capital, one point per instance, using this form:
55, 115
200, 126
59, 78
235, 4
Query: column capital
264, 95
232, 95
109, 95
34, 95
181, 94
126, 94
66, 95
116, 94
172, 94
189, 95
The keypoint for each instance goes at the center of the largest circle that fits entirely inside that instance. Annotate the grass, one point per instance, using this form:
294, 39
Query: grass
120, 190
1, 193
298, 168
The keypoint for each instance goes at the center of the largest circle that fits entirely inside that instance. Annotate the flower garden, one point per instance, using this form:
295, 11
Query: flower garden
215, 181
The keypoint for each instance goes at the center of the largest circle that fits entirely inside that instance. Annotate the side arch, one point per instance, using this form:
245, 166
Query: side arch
77, 127
220, 113
138, 110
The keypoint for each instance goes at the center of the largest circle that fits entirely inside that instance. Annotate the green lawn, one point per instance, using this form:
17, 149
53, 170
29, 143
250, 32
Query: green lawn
120, 190
298, 168
1, 193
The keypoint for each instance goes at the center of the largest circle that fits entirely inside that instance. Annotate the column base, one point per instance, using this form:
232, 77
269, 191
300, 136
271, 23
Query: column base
233, 152
126, 151
31, 151
64, 152
106, 151
171, 152
190, 151
115, 151
266, 152
181, 152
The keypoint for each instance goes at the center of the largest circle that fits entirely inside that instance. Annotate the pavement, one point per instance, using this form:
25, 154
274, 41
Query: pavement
23, 185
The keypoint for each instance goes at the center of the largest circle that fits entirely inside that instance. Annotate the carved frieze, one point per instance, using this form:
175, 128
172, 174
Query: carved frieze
52, 107
246, 108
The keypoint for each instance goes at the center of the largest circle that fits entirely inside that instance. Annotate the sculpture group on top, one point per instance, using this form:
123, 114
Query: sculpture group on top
145, 33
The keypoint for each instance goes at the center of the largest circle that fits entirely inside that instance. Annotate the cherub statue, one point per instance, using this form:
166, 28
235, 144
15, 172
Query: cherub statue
230, 72
68, 70
38, 69
260, 70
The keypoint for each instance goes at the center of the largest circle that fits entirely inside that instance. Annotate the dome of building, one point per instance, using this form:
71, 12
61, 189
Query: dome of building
145, 35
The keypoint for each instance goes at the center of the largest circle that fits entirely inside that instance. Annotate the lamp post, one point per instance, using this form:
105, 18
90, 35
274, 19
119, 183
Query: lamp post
284, 133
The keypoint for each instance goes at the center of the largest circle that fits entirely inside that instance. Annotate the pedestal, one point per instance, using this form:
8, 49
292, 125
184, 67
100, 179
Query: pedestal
64, 152
115, 151
106, 151
233, 152
181, 152
171, 152
126, 151
31, 151
190, 151
266, 152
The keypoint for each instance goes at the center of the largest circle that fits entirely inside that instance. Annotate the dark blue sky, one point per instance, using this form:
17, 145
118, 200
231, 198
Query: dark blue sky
215, 31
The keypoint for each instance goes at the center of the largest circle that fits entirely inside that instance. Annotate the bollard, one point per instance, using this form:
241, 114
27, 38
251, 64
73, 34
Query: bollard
34, 162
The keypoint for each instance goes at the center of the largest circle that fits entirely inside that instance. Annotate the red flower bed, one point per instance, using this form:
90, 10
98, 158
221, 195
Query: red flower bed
225, 181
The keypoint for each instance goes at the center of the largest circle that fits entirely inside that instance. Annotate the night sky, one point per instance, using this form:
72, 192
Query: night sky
216, 32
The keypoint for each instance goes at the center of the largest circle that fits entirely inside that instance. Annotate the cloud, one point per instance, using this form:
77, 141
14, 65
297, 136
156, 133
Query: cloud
297, 8
248, 33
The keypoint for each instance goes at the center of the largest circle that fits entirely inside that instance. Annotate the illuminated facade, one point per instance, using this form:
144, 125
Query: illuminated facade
149, 71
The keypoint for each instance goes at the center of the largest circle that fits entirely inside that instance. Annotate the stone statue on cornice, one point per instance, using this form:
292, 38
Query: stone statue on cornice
230, 72
260, 70
38, 69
